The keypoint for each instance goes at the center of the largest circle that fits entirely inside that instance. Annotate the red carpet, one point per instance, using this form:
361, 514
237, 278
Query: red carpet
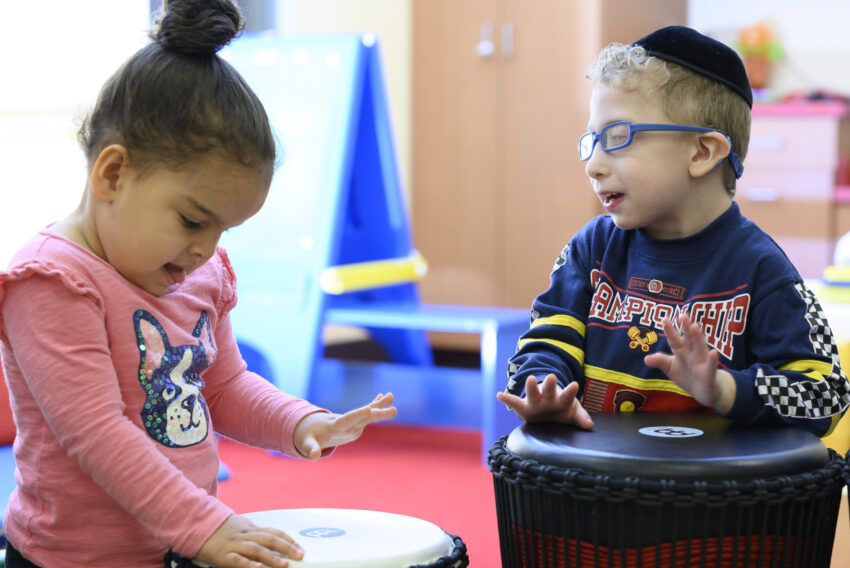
430, 474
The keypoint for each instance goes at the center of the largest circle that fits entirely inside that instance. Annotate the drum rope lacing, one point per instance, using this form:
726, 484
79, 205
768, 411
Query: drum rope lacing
456, 559
517, 470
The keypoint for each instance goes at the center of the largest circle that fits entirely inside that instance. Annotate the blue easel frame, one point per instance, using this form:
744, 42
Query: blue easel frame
336, 199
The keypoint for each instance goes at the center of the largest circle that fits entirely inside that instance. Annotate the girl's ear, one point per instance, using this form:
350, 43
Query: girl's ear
710, 149
111, 164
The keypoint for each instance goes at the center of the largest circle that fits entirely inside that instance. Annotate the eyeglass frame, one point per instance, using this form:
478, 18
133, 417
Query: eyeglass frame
733, 158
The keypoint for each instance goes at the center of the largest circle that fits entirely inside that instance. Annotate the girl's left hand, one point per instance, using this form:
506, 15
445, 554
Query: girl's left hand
322, 430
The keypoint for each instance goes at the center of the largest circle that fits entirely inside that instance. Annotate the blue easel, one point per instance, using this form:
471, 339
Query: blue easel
336, 199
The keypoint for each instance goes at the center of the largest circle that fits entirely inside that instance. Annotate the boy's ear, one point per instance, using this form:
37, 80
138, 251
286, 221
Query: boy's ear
111, 164
710, 149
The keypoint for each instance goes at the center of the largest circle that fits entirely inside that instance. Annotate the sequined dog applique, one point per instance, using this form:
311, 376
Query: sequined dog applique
175, 413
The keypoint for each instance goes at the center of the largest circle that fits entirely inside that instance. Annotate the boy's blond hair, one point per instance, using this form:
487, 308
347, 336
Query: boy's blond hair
686, 97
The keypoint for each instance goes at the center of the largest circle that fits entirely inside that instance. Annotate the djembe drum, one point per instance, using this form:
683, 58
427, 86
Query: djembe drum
343, 538
665, 490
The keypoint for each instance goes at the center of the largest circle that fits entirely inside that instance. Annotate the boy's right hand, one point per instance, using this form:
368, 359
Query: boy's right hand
548, 402
239, 543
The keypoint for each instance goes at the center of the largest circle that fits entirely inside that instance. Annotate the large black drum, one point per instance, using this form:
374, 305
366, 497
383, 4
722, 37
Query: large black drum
665, 490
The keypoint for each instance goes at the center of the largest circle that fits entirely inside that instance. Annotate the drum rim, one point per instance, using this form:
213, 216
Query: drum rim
615, 448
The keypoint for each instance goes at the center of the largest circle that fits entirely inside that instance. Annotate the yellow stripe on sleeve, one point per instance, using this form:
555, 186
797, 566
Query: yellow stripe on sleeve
813, 369
562, 320
836, 418
571, 350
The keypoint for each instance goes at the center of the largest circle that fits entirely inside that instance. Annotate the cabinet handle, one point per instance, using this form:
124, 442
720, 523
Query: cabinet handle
507, 39
765, 194
485, 47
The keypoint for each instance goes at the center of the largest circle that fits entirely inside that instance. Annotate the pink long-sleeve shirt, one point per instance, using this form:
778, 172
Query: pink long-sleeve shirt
114, 394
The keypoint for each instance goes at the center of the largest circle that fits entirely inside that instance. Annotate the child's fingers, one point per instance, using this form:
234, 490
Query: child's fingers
659, 361
380, 414
310, 448
698, 338
266, 550
674, 337
711, 362
567, 398
532, 390
568, 394
276, 541
239, 543
550, 387
381, 408
382, 401
512, 401
583, 418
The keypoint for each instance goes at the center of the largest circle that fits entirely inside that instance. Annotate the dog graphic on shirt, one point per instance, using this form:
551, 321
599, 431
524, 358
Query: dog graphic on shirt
175, 413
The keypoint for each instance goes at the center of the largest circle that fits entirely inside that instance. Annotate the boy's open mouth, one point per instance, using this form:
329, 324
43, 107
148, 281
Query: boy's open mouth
611, 197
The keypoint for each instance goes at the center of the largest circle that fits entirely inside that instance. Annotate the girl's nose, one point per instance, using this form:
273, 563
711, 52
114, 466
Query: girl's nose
204, 247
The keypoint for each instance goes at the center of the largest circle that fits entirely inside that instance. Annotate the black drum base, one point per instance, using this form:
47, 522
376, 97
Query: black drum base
556, 516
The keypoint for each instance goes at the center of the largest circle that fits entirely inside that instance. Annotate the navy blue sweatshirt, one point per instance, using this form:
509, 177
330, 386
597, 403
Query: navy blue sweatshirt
611, 290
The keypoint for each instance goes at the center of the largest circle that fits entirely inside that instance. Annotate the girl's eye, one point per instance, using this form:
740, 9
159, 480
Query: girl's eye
188, 223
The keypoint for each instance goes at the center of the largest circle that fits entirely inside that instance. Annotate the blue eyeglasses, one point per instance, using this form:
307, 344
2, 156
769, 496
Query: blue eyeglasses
620, 134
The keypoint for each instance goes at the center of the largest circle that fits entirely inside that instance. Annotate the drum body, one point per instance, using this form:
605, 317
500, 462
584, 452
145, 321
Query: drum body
343, 538
662, 490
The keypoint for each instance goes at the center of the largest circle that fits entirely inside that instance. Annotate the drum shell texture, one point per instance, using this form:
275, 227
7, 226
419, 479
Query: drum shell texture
560, 516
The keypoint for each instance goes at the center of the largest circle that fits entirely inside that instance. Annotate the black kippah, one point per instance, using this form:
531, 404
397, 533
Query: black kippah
701, 54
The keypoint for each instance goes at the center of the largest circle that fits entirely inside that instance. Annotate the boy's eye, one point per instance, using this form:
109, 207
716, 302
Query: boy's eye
615, 138
188, 223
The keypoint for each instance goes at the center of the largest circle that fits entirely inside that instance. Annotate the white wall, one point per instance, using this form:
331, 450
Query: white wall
813, 34
55, 57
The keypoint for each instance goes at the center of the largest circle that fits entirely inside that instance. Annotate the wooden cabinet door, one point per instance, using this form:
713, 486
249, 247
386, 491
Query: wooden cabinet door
454, 200
498, 189
545, 194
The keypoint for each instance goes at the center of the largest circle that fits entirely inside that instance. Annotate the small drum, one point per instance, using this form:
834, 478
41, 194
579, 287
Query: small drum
665, 490
342, 538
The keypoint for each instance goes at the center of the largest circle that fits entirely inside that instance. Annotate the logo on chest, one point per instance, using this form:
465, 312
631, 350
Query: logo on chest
656, 287
646, 303
175, 413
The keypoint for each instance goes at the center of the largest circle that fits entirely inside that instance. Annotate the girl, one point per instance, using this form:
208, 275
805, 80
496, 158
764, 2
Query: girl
114, 326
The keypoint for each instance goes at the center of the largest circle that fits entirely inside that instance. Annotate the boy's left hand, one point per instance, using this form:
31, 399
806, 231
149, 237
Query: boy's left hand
322, 430
693, 366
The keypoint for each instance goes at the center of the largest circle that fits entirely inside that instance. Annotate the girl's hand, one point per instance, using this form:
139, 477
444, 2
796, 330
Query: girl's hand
322, 430
238, 543
548, 402
693, 367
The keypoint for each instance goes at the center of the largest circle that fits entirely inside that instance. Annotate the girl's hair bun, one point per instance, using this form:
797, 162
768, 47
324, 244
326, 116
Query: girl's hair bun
197, 27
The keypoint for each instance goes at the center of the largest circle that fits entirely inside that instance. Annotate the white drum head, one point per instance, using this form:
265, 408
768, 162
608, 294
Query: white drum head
348, 538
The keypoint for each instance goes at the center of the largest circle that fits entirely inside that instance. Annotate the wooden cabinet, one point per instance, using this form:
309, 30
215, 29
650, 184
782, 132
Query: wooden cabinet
499, 102
789, 184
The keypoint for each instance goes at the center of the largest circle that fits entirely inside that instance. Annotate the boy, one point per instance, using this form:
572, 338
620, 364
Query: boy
674, 302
